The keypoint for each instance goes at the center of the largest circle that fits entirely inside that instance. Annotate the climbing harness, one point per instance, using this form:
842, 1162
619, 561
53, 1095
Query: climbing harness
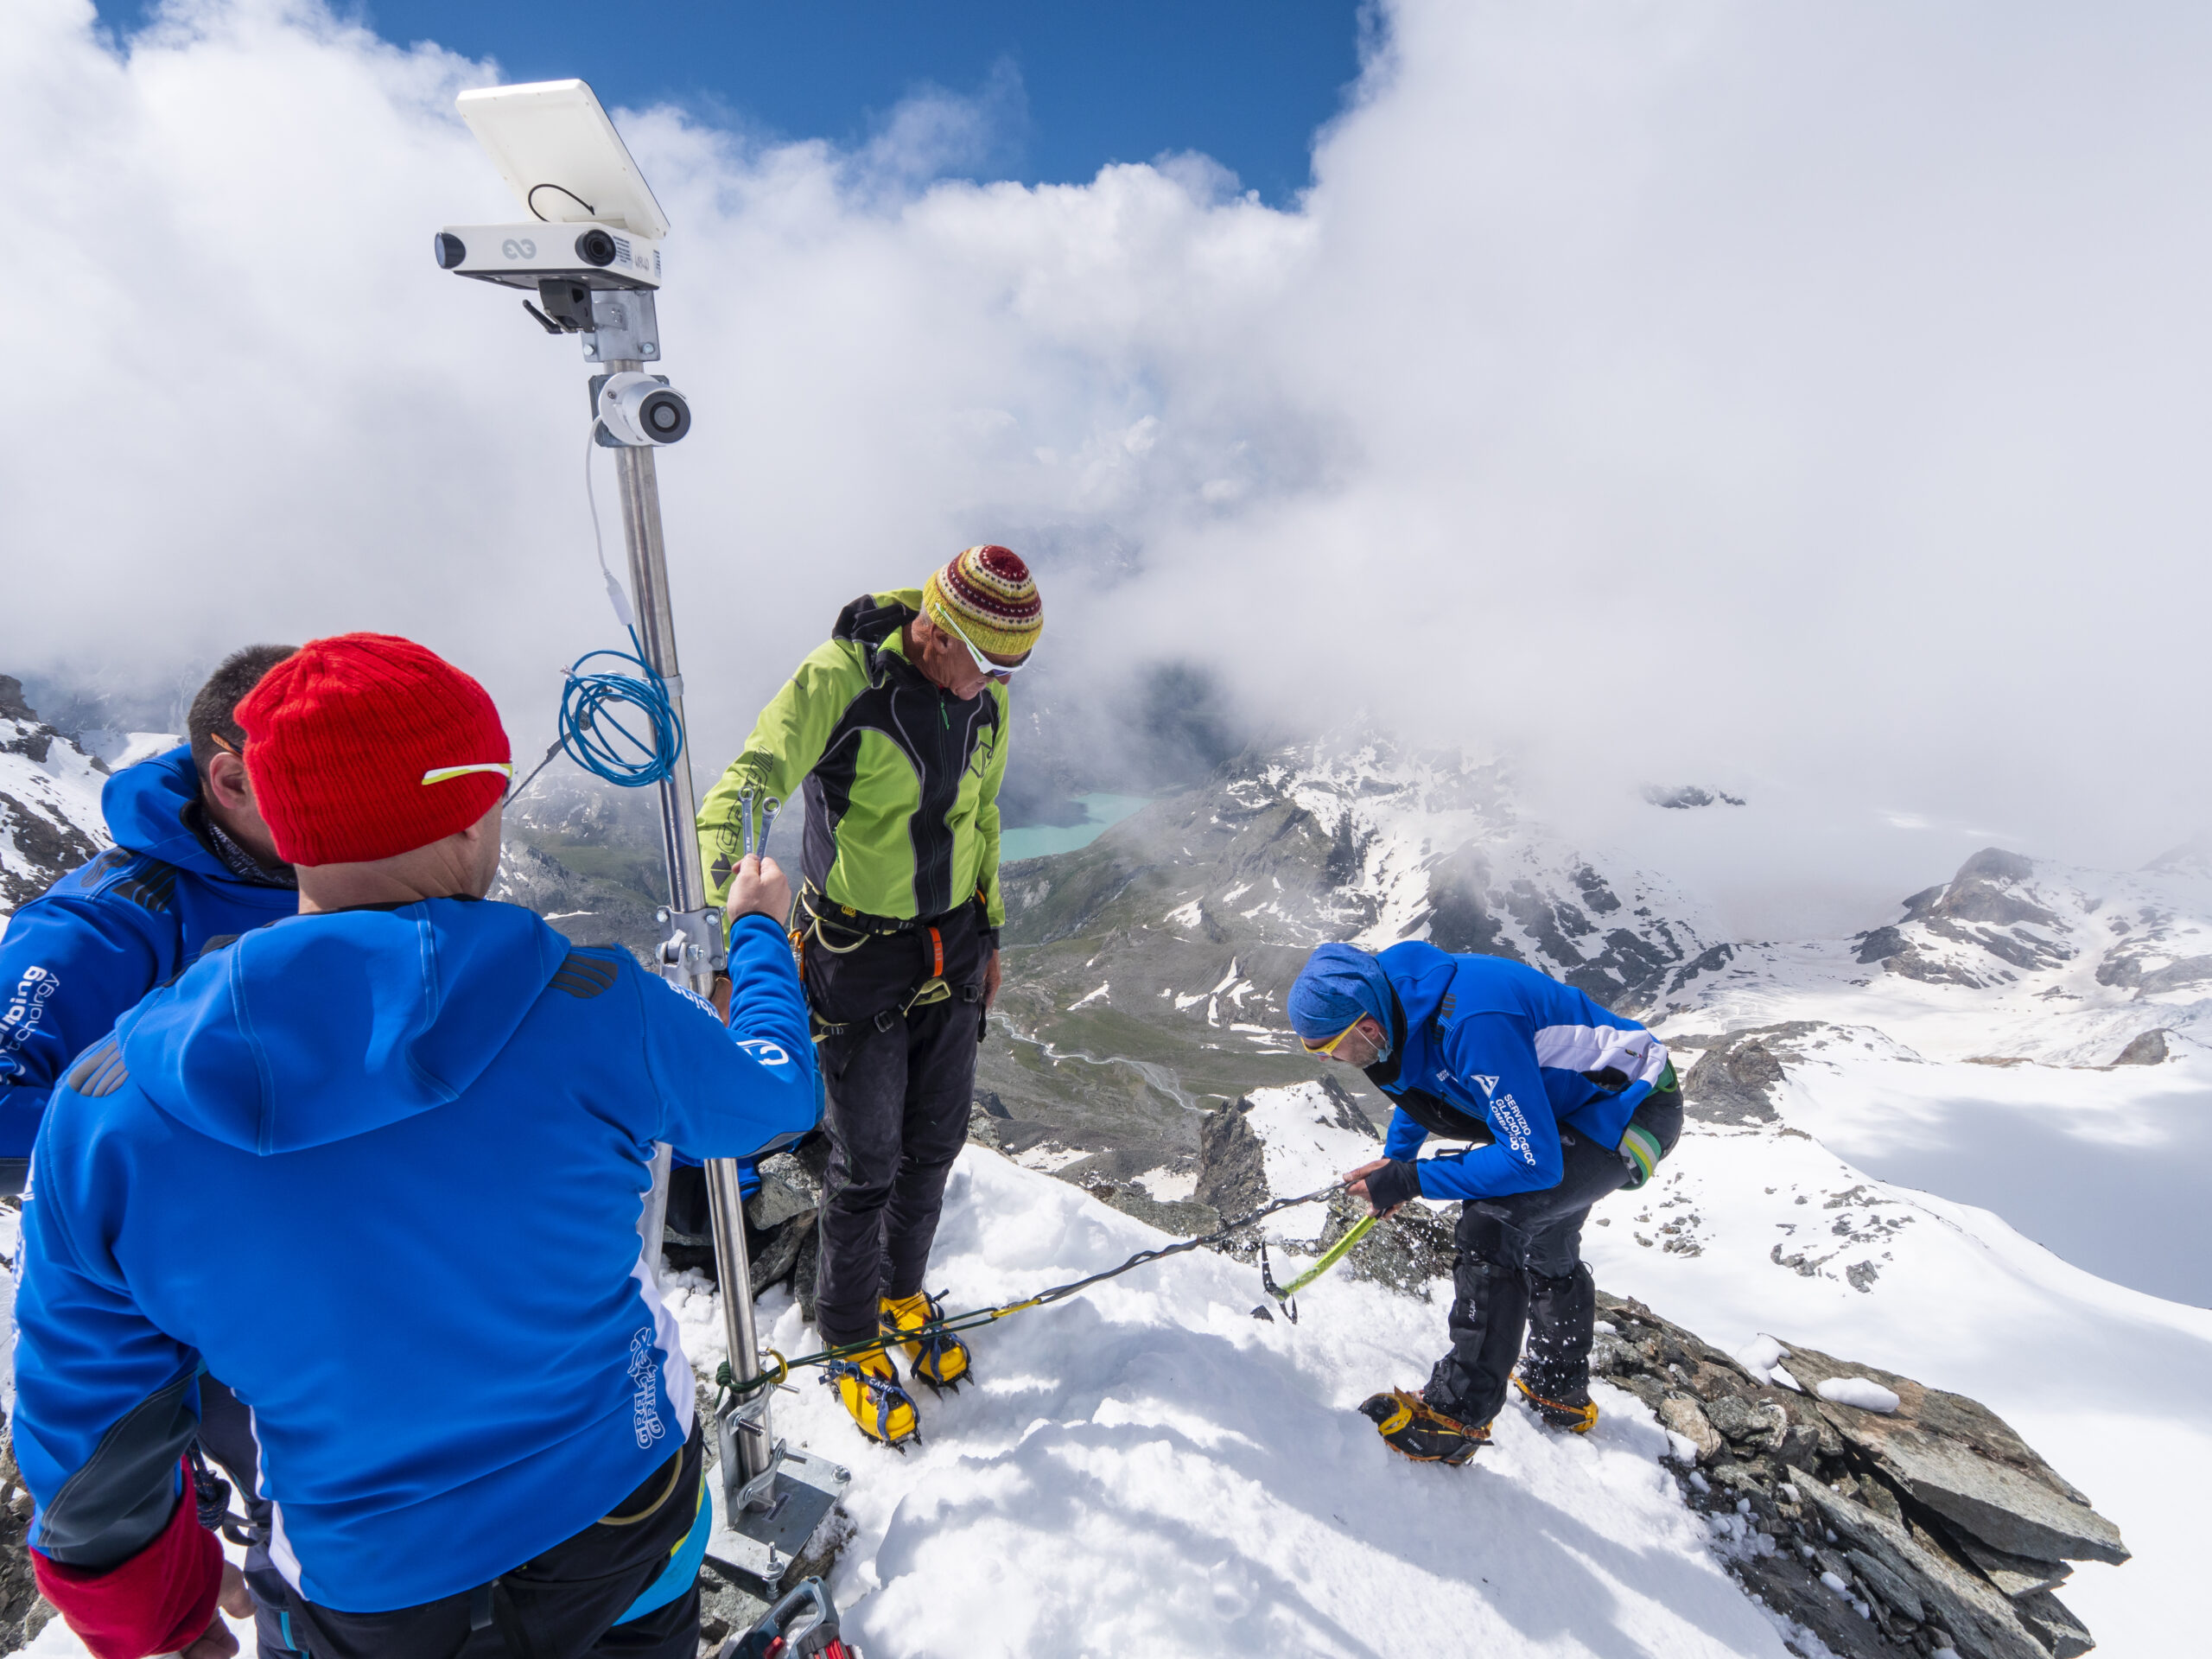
1330, 1257
778, 1367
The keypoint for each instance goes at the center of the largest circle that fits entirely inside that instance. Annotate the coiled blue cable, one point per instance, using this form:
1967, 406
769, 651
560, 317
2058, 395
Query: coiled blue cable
592, 733
633, 751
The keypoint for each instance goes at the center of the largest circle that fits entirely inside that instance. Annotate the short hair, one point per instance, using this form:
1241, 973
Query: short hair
215, 706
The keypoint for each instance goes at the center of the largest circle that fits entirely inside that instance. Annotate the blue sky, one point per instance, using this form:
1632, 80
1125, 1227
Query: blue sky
1069, 86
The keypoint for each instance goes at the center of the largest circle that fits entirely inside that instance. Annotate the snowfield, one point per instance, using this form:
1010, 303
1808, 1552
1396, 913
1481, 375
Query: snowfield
1150, 1469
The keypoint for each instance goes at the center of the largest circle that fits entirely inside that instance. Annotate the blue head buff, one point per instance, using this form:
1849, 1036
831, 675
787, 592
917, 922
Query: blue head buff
1339, 983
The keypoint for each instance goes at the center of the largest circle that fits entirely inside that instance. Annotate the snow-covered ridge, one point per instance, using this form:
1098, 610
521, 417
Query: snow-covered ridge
50, 818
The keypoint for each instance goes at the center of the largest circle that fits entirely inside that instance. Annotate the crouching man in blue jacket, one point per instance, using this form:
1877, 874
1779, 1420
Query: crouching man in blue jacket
436, 1116
1561, 1101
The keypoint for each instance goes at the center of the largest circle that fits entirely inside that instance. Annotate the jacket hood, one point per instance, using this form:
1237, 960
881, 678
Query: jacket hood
144, 808
872, 619
319, 1028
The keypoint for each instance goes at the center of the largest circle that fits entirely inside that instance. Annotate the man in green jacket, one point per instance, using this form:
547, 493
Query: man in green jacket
897, 729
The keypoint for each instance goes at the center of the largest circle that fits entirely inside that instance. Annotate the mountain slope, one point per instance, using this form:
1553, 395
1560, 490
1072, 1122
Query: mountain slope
50, 817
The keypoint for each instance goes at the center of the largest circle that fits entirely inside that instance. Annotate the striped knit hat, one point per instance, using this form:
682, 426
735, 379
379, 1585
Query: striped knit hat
986, 594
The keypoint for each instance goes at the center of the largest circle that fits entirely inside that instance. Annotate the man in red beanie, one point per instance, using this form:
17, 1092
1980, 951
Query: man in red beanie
474, 1415
897, 729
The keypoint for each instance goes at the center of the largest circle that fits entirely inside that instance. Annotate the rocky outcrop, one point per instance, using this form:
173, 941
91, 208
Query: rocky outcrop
1734, 1079
49, 820
1929, 1526
1988, 906
2147, 1049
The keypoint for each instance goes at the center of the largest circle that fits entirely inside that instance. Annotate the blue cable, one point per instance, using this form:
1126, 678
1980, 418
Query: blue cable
597, 736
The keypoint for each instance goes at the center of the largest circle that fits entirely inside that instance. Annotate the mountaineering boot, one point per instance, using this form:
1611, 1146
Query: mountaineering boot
940, 1359
869, 1388
1561, 1414
1413, 1428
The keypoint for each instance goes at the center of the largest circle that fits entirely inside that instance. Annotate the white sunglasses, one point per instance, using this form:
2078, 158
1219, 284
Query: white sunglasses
1000, 671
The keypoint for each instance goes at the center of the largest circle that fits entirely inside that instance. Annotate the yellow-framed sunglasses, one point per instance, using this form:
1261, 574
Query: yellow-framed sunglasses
1330, 1047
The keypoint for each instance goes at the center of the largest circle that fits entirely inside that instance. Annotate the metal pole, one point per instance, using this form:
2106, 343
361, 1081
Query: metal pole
679, 815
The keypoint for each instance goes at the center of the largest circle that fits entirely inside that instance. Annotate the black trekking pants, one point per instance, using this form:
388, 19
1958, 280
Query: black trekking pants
226, 1435
899, 1097
1520, 1270
561, 1604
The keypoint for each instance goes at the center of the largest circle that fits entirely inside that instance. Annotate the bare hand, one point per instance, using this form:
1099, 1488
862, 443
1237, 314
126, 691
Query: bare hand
1356, 1180
217, 1641
990, 981
757, 887
234, 1598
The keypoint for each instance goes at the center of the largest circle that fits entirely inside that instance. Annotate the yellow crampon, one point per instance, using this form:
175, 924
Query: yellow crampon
1413, 1428
940, 1359
1576, 1419
869, 1388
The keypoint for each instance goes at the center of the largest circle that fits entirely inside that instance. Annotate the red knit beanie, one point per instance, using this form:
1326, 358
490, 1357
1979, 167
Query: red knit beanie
366, 745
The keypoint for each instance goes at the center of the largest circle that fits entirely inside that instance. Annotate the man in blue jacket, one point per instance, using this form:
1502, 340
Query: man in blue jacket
192, 861
475, 1415
1561, 1101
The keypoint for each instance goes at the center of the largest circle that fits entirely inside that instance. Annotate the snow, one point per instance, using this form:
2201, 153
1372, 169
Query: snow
1149, 1469
1860, 1391
1304, 1148
120, 749
1958, 1300
1086, 1000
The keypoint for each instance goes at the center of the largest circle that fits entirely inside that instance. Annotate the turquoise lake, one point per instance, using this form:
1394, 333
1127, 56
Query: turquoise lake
1039, 840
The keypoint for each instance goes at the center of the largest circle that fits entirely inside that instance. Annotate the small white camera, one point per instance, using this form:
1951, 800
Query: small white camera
643, 410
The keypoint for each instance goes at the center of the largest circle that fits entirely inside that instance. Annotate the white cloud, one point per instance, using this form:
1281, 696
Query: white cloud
1804, 401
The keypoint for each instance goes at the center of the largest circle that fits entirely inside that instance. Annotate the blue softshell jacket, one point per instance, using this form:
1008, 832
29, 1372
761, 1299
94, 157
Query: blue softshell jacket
91, 945
428, 1130
1518, 1049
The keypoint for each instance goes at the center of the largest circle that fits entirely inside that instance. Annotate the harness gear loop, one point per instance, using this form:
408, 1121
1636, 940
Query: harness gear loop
675, 1474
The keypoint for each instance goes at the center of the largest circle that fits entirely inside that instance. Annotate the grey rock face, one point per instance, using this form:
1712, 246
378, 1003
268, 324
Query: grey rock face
1232, 1174
1983, 906
1921, 1515
1735, 1076
788, 1188
45, 843
1959, 1458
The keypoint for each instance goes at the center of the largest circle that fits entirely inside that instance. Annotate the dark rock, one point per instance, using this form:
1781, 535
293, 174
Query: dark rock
2177, 976
773, 1262
2016, 1575
1757, 1423
1890, 1489
1980, 1620
1350, 1114
2055, 1626
1893, 1590
983, 1128
1735, 1076
788, 1188
1408, 1252
1682, 1413
1232, 1174
2149, 1048
1963, 1461
1182, 1217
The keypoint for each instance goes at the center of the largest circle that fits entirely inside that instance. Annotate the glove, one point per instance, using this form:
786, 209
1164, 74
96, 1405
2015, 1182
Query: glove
1392, 1185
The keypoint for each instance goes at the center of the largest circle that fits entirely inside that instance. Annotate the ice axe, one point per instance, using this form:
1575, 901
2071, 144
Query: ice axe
1330, 1257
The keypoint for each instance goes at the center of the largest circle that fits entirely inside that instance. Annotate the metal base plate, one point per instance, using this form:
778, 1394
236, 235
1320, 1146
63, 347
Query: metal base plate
765, 1544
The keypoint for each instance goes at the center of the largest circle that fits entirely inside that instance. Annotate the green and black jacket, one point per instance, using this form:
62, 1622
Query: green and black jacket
902, 777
